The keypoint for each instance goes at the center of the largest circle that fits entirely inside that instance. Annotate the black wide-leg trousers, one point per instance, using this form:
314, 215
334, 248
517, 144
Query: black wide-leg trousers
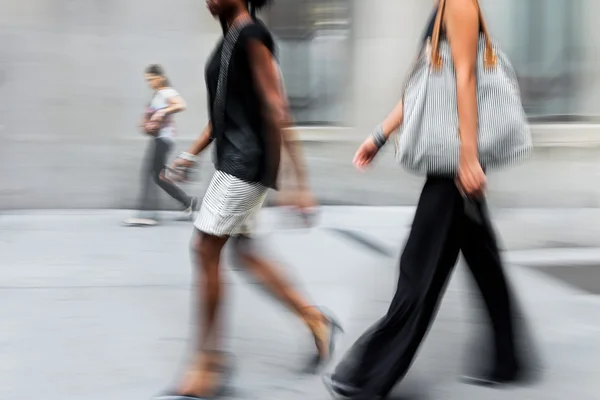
444, 224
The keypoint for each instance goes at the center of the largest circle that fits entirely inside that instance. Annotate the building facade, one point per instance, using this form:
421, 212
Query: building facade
71, 77
357, 53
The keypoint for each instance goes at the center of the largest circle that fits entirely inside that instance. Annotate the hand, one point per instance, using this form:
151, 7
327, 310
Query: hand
151, 127
471, 178
177, 170
143, 122
301, 199
365, 154
181, 163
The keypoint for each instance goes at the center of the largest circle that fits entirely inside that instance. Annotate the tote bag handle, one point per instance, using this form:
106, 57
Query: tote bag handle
489, 56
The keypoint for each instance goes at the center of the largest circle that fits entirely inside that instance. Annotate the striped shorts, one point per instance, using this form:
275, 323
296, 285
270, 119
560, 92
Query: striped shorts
230, 206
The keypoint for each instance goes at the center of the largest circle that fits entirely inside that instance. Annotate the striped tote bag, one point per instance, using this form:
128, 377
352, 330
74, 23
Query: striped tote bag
429, 142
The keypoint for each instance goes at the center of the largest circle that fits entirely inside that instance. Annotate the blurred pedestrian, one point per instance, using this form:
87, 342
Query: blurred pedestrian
247, 119
157, 122
451, 215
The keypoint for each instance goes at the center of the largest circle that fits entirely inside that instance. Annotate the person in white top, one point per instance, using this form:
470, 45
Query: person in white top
158, 123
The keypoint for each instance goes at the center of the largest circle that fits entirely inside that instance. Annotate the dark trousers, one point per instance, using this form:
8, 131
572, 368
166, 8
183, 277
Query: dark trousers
444, 224
156, 158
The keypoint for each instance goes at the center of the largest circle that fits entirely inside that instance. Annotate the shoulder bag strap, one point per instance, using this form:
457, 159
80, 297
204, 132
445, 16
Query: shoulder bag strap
489, 56
231, 38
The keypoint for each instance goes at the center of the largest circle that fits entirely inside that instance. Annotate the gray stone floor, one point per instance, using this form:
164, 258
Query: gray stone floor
93, 310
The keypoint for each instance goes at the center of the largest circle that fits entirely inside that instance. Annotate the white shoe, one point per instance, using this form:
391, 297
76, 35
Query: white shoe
140, 222
188, 213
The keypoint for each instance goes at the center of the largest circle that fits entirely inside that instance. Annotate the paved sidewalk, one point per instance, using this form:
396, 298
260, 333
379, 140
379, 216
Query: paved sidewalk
93, 310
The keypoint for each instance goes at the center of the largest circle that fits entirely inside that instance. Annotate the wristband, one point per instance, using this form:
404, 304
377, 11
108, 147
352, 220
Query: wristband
187, 156
378, 136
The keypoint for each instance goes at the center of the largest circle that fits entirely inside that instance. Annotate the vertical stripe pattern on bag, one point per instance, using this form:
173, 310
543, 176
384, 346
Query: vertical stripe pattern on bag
429, 142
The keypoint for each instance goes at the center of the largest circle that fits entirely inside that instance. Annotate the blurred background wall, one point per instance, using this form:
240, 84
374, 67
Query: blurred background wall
72, 89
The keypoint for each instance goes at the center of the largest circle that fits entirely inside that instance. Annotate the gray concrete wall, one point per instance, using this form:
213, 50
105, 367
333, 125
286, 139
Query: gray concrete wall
72, 90
386, 35
589, 102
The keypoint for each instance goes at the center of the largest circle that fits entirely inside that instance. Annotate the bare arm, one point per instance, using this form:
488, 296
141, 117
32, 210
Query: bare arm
462, 27
188, 158
293, 148
291, 141
176, 104
202, 142
370, 147
393, 120
276, 113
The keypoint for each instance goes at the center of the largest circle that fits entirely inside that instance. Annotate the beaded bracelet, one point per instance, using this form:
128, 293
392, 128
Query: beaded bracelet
378, 136
187, 156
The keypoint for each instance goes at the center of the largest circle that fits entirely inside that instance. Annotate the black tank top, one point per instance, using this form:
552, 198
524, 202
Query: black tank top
242, 148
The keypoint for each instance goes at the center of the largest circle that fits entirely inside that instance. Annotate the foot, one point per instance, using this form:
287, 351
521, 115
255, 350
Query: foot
493, 379
140, 222
339, 390
169, 396
207, 381
188, 213
324, 329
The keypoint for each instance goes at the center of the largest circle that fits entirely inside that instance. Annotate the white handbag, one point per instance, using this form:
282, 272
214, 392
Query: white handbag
429, 141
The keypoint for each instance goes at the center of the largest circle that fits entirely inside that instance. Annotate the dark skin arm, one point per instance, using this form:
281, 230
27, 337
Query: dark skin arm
196, 148
202, 142
275, 107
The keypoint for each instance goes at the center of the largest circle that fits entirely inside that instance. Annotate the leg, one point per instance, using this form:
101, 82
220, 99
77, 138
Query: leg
481, 253
269, 276
201, 379
280, 287
163, 146
147, 194
428, 258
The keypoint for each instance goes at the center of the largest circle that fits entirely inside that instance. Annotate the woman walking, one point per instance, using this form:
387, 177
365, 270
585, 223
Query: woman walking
158, 123
451, 216
247, 119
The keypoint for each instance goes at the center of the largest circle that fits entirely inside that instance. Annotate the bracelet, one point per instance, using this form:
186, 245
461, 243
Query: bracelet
187, 156
378, 136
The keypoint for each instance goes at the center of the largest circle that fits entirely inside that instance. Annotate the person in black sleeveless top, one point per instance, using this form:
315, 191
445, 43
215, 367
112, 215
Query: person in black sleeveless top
451, 216
248, 138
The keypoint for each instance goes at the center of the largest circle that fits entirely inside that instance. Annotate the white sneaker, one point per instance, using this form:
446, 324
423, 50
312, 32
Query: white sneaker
188, 213
140, 222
